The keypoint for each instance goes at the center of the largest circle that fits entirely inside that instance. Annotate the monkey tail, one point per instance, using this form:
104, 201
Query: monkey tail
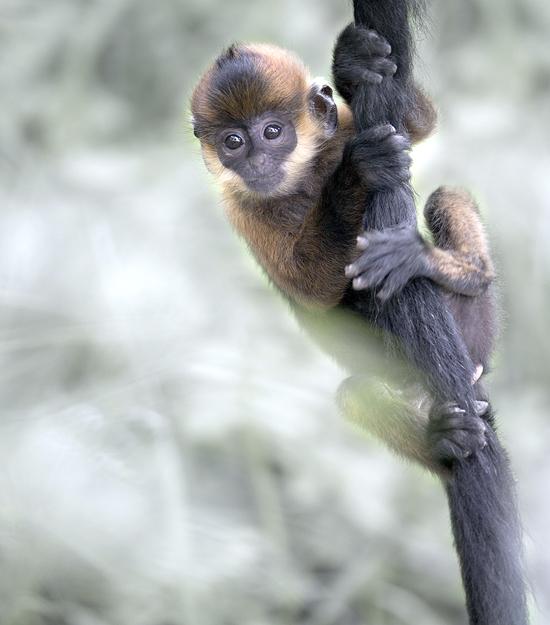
480, 490
392, 18
487, 536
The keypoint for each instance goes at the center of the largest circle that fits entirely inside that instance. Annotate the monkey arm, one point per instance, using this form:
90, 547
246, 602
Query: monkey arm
363, 57
374, 159
327, 237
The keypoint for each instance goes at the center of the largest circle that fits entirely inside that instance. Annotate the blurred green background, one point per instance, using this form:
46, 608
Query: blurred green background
171, 451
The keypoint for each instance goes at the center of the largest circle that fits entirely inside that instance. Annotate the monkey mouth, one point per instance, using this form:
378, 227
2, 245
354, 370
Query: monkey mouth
264, 185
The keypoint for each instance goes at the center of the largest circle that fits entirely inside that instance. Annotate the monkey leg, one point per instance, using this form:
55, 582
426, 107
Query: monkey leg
409, 424
460, 260
461, 263
389, 415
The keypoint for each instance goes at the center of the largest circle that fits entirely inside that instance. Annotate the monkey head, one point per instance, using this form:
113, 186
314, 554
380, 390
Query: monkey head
261, 119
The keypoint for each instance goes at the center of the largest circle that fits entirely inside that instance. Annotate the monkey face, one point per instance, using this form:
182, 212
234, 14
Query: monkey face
261, 119
258, 149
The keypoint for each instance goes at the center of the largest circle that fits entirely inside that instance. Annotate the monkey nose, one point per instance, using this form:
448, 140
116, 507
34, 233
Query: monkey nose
258, 161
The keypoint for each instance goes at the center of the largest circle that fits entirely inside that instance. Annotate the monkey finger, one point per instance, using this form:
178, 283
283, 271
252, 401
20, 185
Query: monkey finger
358, 74
374, 275
369, 260
400, 242
464, 439
477, 373
448, 408
364, 282
403, 174
384, 66
481, 407
392, 233
459, 421
371, 275
445, 450
371, 76
362, 242
376, 133
375, 42
401, 249
457, 444
398, 142
394, 283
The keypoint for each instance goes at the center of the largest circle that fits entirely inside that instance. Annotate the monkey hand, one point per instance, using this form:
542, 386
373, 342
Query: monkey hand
454, 435
380, 157
389, 259
360, 56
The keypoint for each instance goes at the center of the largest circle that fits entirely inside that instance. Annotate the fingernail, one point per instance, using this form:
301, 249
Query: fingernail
358, 283
350, 270
477, 374
362, 243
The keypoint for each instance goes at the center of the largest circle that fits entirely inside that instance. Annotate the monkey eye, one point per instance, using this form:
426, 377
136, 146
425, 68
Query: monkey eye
272, 131
233, 142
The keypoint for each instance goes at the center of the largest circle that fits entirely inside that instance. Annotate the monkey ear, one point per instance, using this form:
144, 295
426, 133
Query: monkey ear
323, 107
194, 126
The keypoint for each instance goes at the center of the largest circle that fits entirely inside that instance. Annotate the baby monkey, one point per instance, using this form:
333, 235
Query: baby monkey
296, 178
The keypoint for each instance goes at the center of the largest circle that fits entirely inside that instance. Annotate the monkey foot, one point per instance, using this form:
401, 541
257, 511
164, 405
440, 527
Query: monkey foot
453, 435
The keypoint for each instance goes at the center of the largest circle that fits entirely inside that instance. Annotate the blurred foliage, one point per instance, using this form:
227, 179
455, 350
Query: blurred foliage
171, 450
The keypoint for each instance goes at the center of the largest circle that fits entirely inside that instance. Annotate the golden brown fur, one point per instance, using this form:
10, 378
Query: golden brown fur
461, 261
284, 72
288, 243
285, 230
422, 118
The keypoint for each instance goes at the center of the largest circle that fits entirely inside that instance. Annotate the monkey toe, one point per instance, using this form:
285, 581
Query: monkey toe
455, 444
453, 435
481, 407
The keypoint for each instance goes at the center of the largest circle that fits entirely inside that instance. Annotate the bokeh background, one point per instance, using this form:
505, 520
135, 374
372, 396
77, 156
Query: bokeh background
171, 453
